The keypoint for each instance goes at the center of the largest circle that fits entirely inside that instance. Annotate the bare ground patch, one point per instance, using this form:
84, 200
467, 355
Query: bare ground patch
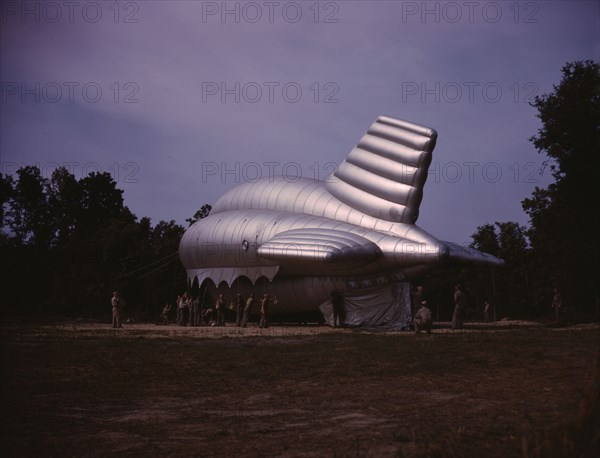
146, 390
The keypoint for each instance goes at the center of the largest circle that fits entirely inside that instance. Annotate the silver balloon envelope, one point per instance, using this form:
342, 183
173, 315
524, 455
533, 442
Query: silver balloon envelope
300, 239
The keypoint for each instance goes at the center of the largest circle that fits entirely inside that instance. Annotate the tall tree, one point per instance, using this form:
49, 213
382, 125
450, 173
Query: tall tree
6, 192
65, 202
511, 287
486, 239
565, 215
202, 213
77, 241
101, 200
29, 212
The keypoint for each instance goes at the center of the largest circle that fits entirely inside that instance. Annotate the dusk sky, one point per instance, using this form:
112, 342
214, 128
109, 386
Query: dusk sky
182, 100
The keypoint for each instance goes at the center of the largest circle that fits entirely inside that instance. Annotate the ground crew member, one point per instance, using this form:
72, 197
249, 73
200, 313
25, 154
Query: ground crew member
178, 303
423, 319
196, 312
486, 311
220, 308
117, 303
239, 310
185, 309
165, 314
459, 308
264, 311
339, 311
247, 309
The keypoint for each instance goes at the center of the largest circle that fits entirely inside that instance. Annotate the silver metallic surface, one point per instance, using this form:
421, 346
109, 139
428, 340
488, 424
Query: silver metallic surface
354, 232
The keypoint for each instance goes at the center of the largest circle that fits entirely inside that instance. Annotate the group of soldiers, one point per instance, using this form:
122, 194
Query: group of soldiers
423, 318
191, 311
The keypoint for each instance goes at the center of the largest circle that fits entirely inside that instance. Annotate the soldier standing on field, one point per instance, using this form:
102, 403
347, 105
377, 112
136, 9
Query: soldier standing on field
178, 310
220, 308
486, 311
185, 309
239, 310
264, 311
196, 315
165, 313
117, 304
459, 308
339, 309
247, 309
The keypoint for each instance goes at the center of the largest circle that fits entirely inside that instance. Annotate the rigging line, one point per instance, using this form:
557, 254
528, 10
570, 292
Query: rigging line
161, 289
153, 251
157, 269
148, 265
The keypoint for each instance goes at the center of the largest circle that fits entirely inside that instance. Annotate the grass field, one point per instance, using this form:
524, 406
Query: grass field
89, 390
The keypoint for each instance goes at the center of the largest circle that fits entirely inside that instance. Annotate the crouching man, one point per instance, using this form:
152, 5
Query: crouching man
422, 320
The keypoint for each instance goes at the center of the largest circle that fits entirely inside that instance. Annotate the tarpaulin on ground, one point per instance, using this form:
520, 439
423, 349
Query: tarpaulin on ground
382, 306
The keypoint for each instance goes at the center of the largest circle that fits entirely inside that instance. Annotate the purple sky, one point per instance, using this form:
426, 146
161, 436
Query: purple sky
466, 69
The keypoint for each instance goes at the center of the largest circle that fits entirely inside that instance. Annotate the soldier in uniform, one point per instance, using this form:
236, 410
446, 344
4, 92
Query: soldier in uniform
190, 305
220, 308
239, 310
196, 315
180, 309
247, 309
117, 303
339, 312
423, 319
264, 311
486, 311
185, 309
165, 313
459, 308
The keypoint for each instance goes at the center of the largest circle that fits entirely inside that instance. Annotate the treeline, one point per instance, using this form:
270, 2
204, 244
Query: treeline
559, 247
66, 244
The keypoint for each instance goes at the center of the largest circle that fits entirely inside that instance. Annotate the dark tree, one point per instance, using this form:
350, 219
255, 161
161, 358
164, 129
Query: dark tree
28, 215
486, 239
101, 201
202, 213
509, 289
565, 216
65, 202
6, 193
77, 241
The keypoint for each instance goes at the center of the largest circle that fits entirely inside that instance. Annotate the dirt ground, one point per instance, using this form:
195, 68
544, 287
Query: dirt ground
498, 390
